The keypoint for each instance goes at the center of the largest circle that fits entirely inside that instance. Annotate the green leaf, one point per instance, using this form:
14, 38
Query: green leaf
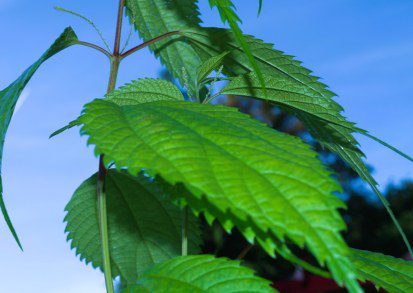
64, 128
153, 18
259, 7
286, 92
392, 274
340, 140
269, 184
227, 12
335, 137
10, 95
138, 91
202, 273
209, 42
144, 226
394, 149
145, 90
210, 65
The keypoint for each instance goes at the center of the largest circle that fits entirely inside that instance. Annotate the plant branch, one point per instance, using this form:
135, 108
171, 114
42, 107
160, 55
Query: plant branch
308, 267
96, 47
145, 44
101, 195
245, 251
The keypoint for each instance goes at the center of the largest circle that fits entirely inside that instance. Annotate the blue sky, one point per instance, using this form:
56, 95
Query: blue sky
362, 49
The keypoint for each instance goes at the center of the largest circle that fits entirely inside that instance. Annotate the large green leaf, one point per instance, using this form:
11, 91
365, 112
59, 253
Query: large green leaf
336, 137
153, 18
392, 274
269, 184
10, 95
144, 226
202, 273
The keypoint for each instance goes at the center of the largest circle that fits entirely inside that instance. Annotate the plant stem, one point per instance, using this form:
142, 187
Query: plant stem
103, 225
118, 28
145, 44
96, 47
114, 69
185, 231
101, 195
245, 251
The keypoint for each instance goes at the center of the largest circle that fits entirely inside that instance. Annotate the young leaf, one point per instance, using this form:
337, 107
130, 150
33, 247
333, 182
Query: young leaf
153, 18
210, 65
227, 12
201, 273
269, 184
145, 90
392, 274
144, 226
10, 95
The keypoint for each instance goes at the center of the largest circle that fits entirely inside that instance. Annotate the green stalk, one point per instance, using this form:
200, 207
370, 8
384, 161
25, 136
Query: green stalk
103, 226
101, 195
185, 231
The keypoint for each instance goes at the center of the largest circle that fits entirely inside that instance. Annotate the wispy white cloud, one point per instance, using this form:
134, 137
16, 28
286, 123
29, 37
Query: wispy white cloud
367, 57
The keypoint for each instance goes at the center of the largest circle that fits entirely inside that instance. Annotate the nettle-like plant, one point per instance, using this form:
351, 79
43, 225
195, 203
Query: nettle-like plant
166, 159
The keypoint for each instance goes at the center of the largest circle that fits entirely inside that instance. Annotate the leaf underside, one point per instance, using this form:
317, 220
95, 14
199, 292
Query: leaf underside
202, 273
285, 92
144, 226
10, 95
270, 185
